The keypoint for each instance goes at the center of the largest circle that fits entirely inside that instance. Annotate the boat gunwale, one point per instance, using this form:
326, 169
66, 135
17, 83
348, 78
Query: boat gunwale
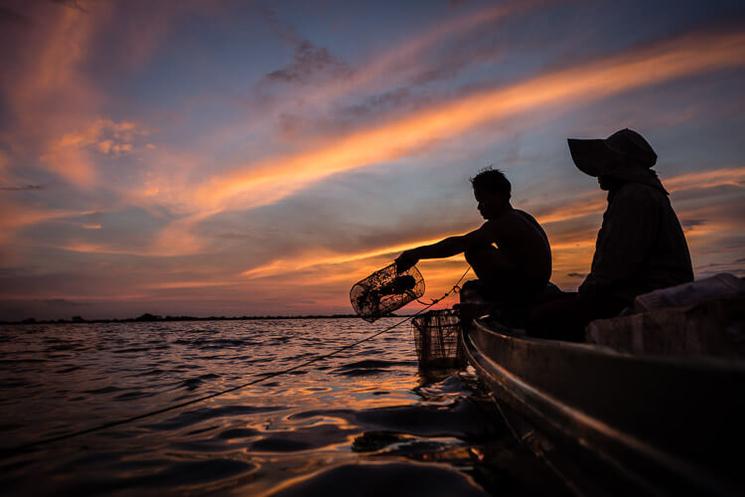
700, 362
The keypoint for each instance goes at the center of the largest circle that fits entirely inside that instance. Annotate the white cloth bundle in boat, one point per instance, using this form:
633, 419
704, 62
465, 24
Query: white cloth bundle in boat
702, 318
719, 286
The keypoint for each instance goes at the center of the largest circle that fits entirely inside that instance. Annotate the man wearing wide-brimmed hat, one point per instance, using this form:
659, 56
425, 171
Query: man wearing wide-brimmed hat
640, 246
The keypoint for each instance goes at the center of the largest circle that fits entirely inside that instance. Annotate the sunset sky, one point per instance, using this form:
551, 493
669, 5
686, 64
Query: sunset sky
235, 157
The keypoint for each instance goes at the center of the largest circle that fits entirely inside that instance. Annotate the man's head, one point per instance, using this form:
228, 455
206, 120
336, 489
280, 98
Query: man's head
492, 191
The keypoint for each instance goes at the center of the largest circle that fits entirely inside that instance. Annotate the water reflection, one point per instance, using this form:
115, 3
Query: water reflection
364, 415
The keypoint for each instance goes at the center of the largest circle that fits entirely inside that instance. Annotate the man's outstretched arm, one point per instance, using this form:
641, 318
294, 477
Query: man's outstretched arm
444, 248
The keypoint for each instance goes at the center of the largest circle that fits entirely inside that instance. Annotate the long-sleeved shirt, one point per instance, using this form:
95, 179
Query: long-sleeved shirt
640, 246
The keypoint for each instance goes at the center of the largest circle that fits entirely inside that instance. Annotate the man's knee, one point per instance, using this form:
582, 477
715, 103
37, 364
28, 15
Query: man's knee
475, 256
472, 291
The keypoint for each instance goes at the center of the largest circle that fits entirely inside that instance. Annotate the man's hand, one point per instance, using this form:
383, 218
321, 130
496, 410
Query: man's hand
406, 260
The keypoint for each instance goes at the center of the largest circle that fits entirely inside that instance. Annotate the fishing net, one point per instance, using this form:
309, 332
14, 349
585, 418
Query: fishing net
437, 339
384, 291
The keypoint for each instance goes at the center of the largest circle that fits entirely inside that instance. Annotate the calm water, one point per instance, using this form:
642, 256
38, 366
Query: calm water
362, 423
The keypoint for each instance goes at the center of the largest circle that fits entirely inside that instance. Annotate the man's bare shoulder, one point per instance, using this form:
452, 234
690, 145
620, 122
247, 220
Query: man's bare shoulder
513, 223
493, 229
507, 220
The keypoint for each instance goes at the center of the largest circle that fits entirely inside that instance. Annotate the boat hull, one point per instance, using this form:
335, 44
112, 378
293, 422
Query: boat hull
656, 426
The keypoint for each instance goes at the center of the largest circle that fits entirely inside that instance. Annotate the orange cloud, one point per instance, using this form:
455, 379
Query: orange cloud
732, 176
280, 266
61, 47
589, 204
50, 95
97, 248
175, 285
585, 206
71, 155
15, 217
270, 180
178, 237
107, 249
572, 252
5, 175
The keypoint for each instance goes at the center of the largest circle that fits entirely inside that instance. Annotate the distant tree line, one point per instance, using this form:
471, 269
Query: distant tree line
147, 317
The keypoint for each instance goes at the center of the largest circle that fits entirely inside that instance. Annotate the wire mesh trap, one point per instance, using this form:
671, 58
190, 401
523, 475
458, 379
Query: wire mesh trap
384, 291
437, 339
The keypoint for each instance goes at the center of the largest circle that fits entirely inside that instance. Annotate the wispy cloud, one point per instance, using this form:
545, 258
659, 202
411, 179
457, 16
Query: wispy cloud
143, 160
73, 154
50, 95
309, 61
575, 242
589, 203
730, 176
72, 4
403, 60
349, 94
21, 188
257, 184
16, 216
273, 179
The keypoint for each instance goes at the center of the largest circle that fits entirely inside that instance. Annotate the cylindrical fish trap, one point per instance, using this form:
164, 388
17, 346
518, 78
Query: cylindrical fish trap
385, 291
437, 339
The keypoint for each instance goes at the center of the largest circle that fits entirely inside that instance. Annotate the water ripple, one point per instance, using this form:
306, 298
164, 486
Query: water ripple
363, 419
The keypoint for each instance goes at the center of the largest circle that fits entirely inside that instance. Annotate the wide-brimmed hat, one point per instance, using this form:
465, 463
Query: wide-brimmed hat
600, 156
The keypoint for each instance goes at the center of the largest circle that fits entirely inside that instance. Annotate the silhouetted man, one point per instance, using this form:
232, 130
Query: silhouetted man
516, 271
640, 246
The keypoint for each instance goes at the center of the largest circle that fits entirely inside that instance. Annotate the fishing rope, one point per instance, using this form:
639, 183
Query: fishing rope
455, 288
9, 452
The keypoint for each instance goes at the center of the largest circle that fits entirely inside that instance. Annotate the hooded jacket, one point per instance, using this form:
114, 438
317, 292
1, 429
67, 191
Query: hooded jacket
640, 246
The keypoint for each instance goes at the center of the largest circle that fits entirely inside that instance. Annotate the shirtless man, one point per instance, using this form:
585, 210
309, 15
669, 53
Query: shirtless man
516, 271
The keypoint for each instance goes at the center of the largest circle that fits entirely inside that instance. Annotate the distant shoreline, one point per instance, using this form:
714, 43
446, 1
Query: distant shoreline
153, 318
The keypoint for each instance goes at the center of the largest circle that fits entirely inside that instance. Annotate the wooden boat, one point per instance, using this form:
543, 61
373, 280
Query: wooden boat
611, 423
